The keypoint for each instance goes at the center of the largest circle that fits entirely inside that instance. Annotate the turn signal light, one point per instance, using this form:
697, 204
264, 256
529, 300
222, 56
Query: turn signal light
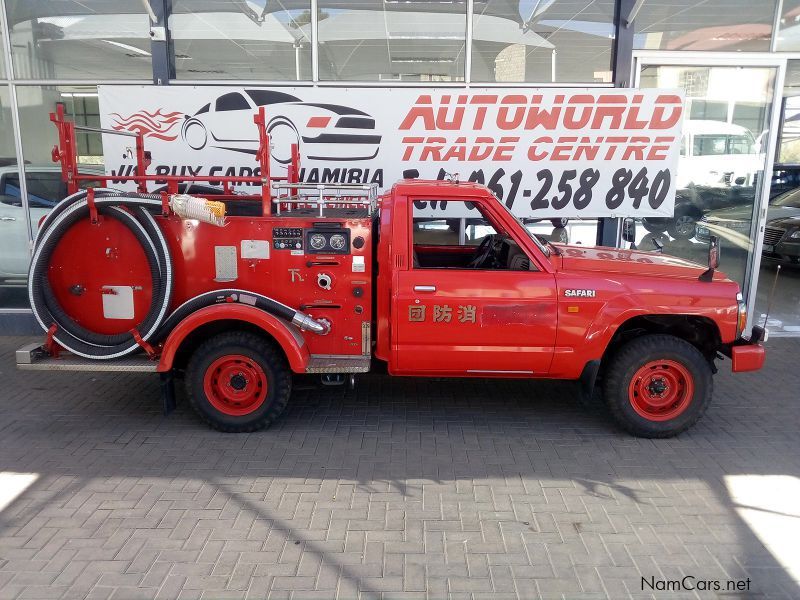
741, 321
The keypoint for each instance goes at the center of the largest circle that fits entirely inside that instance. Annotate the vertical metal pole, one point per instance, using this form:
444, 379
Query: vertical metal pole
314, 41
468, 42
553, 65
776, 25
609, 231
163, 55
23, 182
17, 130
762, 197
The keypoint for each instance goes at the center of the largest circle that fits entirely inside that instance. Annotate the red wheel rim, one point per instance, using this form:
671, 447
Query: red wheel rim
235, 385
661, 390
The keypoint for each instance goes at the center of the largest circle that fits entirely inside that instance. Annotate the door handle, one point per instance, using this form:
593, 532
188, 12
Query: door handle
424, 288
8, 219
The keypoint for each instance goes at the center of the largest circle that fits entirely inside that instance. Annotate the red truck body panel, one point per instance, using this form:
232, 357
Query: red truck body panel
525, 325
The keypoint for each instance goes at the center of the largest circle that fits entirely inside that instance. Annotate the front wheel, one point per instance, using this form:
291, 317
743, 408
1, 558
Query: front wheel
683, 226
238, 382
657, 386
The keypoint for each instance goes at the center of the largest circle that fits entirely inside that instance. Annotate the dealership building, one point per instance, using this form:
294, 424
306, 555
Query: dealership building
737, 61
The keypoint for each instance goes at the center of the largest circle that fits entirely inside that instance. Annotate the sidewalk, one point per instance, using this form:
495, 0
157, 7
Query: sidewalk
401, 488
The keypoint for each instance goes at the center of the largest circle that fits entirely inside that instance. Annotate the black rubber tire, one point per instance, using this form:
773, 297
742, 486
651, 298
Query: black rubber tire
262, 351
562, 222
683, 226
655, 224
629, 358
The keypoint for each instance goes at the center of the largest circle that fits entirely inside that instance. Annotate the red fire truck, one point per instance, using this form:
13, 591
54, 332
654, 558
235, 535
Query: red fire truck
234, 293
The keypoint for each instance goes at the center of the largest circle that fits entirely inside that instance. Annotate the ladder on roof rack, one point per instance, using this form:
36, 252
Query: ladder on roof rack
326, 195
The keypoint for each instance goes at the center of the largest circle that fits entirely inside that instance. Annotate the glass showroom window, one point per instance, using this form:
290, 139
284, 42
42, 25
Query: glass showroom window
231, 39
721, 165
788, 35
13, 228
42, 176
69, 40
723, 25
558, 41
392, 40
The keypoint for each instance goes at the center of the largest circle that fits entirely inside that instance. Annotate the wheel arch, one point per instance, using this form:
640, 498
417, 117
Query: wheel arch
700, 331
208, 321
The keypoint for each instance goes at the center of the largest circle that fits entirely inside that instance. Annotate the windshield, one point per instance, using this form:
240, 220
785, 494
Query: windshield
535, 239
721, 144
790, 199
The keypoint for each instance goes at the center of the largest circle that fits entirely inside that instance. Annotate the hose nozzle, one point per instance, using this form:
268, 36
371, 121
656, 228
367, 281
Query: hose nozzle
307, 323
202, 209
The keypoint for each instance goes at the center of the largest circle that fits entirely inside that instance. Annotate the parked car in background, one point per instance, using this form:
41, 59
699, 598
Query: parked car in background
785, 178
781, 233
718, 167
45, 190
690, 208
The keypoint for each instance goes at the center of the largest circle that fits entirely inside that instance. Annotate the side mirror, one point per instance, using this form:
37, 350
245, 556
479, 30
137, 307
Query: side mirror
713, 259
713, 253
629, 230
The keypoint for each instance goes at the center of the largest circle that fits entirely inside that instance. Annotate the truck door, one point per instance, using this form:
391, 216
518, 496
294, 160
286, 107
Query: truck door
473, 303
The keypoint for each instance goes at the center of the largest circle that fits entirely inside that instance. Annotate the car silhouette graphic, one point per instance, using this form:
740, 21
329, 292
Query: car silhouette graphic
322, 131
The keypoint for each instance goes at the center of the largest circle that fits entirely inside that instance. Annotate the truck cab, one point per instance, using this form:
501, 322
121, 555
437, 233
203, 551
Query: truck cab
496, 301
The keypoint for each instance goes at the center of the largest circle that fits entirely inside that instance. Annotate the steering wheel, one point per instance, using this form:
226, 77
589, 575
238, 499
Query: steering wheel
483, 252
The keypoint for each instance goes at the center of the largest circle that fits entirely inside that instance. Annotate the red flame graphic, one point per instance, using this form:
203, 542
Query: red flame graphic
150, 124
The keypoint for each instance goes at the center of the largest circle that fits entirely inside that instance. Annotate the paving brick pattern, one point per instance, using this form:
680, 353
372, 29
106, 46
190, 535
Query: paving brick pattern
401, 488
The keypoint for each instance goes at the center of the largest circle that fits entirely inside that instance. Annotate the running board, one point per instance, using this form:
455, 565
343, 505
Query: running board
34, 358
321, 363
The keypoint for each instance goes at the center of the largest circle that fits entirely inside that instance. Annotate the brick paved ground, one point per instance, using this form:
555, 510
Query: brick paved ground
402, 488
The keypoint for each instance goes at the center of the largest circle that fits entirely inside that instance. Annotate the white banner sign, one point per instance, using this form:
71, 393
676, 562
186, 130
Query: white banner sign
544, 152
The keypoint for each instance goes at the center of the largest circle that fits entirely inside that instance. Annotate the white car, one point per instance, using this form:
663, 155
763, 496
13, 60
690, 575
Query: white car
322, 131
45, 190
717, 154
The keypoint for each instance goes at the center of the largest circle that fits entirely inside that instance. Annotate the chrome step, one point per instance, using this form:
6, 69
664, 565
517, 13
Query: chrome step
338, 364
32, 357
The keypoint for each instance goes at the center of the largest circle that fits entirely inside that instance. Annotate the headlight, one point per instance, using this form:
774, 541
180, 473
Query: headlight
741, 321
795, 235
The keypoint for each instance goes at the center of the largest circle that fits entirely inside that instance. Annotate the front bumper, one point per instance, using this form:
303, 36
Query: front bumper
748, 354
788, 250
747, 358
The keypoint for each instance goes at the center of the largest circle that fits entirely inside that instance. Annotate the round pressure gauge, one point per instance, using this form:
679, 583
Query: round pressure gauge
338, 242
317, 241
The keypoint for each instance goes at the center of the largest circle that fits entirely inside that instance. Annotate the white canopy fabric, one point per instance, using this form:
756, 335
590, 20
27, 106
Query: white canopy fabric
357, 25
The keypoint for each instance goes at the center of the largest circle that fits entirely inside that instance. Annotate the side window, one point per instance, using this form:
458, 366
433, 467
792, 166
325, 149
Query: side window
45, 190
204, 109
11, 193
232, 101
440, 243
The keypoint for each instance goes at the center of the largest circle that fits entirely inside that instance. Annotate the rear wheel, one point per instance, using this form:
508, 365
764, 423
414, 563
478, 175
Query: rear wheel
657, 386
238, 382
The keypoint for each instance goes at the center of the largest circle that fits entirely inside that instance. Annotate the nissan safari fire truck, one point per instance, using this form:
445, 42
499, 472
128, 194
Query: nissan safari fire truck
235, 293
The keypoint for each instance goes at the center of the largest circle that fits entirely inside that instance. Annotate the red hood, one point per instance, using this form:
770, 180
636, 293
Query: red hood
631, 262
